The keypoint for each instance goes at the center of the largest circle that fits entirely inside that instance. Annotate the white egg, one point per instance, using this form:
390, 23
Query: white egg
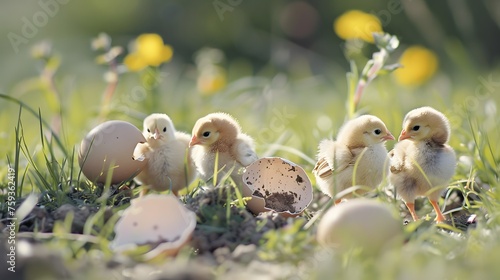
362, 223
109, 147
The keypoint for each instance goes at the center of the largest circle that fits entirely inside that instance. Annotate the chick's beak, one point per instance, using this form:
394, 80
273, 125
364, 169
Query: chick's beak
388, 137
156, 134
404, 135
194, 141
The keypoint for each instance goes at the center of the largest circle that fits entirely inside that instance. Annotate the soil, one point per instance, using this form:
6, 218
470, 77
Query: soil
42, 219
279, 201
224, 236
215, 230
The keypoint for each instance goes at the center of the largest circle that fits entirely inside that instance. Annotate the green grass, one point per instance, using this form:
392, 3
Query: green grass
281, 111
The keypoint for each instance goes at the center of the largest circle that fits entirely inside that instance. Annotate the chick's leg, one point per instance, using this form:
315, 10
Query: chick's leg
411, 208
439, 215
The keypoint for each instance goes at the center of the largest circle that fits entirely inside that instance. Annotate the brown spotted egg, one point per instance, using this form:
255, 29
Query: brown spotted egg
277, 184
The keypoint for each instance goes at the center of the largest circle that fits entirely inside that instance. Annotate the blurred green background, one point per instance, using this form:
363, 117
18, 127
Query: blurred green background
254, 31
281, 57
281, 71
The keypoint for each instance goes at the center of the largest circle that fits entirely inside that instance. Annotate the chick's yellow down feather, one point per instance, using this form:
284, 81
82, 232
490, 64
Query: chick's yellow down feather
220, 133
422, 162
360, 140
166, 152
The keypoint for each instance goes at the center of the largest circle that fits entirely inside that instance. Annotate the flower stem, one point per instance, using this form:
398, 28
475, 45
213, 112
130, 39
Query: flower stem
386, 44
110, 90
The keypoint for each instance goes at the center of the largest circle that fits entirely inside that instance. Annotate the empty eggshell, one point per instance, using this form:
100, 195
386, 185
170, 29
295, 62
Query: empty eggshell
364, 223
110, 147
158, 220
277, 184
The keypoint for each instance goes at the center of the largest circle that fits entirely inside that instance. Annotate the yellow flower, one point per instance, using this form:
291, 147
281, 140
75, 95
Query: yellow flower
134, 62
150, 51
356, 24
419, 64
211, 81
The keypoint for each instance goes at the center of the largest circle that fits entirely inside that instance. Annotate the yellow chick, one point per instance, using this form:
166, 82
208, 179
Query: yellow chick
359, 140
220, 133
422, 162
165, 152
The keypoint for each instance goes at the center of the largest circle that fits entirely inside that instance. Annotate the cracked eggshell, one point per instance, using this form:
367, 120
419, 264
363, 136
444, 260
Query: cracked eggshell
363, 223
112, 142
159, 220
277, 184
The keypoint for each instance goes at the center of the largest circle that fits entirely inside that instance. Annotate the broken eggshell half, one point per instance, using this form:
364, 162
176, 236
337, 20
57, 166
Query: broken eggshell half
160, 221
109, 147
277, 184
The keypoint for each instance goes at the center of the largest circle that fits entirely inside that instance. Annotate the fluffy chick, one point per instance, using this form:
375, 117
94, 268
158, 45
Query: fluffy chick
220, 133
359, 140
165, 152
422, 162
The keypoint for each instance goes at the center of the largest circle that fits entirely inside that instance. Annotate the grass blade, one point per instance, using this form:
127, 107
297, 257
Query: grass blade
34, 113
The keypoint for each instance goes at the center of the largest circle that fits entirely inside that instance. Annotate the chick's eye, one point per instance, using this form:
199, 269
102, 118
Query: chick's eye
416, 128
206, 134
149, 130
164, 129
377, 131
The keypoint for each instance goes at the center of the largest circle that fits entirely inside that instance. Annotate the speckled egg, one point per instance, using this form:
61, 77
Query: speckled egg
277, 184
109, 147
